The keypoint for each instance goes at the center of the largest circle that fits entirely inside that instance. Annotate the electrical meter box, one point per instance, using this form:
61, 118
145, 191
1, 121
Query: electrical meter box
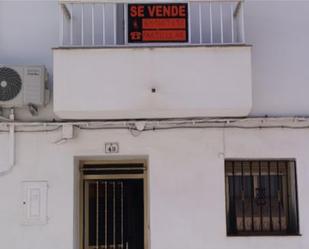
34, 202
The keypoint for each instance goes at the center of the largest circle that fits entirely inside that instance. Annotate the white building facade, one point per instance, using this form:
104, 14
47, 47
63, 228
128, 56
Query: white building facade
198, 143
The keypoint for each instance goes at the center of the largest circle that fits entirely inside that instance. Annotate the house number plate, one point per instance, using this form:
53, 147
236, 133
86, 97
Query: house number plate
111, 148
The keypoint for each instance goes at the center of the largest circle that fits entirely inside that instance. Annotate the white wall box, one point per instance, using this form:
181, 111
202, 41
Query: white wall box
34, 202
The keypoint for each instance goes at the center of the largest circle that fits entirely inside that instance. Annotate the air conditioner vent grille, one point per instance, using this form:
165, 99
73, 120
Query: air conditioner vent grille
10, 84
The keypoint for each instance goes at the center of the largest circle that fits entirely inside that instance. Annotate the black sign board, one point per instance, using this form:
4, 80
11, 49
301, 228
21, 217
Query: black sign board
166, 22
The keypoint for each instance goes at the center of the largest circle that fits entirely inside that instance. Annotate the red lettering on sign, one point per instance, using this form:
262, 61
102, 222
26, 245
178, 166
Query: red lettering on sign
140, 11
133, 11
164, 23
159, 11
137, 11
182, 11
151, 10
166, 11
175, 10
164, 35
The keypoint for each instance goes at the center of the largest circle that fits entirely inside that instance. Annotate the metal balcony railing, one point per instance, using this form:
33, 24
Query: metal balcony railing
102, 23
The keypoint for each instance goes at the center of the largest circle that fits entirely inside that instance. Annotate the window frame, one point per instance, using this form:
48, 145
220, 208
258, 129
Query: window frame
291, 165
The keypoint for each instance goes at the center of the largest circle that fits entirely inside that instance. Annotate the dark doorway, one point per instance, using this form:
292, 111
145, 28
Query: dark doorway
113, 208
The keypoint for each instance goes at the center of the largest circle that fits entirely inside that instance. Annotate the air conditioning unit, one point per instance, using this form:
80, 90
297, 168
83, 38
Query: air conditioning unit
22, 86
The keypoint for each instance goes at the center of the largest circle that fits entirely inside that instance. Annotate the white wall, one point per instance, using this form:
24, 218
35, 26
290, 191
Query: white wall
277, 29
186, 184
279, 34
187, 81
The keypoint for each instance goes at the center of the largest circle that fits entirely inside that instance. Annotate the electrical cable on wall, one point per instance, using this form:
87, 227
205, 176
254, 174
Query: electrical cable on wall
138, 127
155, 125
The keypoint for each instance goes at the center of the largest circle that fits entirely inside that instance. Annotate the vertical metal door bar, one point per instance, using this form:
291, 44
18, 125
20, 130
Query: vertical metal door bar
97, 216
260, 188
103, 24
114, 215
105, 211
242, 195
269, 193
86, 203
252, 197
122, 246
279, 195
296, 195
233, 174
287, 196
232, 20
83, 213
210, 23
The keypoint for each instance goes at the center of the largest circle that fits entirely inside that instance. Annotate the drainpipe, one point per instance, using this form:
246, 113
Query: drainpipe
11, 144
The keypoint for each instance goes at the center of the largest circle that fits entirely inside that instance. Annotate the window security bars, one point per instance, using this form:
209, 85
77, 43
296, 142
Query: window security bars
261, 197
104, 24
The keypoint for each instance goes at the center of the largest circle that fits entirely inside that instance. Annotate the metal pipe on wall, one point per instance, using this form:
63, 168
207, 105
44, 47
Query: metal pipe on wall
11, 155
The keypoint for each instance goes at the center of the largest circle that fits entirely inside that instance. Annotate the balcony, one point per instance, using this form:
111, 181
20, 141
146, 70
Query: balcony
192, 65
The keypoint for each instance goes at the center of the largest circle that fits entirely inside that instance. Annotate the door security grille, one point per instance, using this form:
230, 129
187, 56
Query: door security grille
113, 207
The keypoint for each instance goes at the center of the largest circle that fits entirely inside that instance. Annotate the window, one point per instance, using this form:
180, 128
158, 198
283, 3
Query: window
261, 197
113, 206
